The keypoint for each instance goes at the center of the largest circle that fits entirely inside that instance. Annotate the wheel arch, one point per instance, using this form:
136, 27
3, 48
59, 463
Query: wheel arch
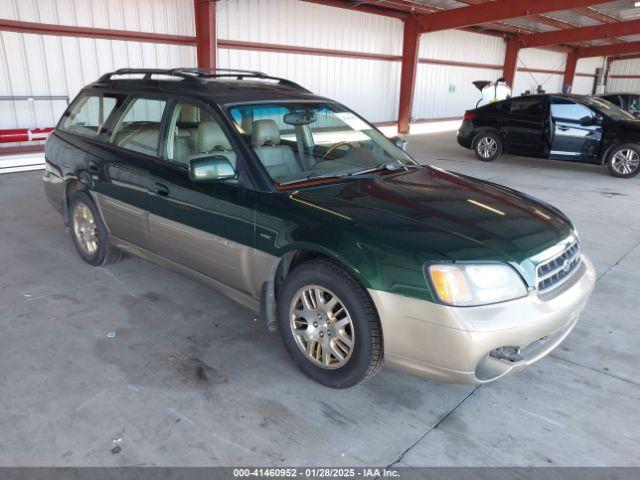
295, 255
72, 185
480, 130
607, 151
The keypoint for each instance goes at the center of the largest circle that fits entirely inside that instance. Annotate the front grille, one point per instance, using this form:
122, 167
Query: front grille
557, 270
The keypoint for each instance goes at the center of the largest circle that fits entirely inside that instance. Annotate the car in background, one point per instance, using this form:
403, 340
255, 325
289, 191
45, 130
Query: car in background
627, 101
561, 127
301, 210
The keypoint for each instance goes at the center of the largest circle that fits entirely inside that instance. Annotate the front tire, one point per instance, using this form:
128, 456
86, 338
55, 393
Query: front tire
487, 146
89, 233
329, 324
624, 161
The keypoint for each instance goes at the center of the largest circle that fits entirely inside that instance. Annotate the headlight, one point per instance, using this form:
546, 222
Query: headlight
465, 285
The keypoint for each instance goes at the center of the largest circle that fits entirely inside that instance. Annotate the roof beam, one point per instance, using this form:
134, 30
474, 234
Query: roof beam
605, 50
90, 32
595, 15
362, 7
580, 34
496, 11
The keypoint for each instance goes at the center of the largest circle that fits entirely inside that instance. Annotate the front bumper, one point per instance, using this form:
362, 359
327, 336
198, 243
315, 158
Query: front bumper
454, 344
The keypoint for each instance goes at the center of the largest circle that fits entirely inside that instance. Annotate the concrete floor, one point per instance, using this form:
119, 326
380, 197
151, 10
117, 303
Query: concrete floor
191, 379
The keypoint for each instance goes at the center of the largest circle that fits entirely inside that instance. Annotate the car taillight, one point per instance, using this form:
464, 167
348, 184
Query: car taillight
470, 116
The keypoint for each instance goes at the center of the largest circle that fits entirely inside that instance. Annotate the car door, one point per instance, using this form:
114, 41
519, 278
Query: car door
206, 227
577, 131
524, 126
123, 161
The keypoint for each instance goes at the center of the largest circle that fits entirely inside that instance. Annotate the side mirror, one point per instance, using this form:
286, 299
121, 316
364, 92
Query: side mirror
588, 121
399, 142
215, 168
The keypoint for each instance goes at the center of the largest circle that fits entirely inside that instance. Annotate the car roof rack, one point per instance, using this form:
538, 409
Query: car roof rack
200, 74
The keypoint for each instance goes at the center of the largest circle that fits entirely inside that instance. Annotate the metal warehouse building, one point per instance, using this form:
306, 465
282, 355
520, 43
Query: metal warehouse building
399, 234
351, 51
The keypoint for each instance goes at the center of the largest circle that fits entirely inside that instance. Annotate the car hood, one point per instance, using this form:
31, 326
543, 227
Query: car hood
431, 213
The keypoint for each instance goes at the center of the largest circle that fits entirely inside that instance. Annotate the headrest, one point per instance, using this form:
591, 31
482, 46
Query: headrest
211, 137
264, 132
189, 114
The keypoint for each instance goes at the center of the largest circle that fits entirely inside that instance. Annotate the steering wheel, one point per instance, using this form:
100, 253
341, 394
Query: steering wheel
334, 146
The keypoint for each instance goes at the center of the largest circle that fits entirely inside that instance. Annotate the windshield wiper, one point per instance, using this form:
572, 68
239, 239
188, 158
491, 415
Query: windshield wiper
384, 166
309, 178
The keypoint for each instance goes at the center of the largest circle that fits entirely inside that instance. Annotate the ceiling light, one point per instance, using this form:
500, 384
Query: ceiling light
637, 4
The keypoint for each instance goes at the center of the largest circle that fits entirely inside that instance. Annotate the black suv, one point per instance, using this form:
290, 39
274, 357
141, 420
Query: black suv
562, 127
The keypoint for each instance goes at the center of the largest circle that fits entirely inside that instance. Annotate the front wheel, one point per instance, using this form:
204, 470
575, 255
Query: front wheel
624, 161
329, 325
487, 146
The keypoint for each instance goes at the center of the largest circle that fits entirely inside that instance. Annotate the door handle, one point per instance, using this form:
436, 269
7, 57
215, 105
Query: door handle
160, 189
564, 129
93, 167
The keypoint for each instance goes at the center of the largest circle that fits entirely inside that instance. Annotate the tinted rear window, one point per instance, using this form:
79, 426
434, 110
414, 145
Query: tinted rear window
528, 105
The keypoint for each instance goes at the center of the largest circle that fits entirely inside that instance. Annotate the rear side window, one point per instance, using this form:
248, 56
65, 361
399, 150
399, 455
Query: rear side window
528, 106
138, 128
89, 114
194, 133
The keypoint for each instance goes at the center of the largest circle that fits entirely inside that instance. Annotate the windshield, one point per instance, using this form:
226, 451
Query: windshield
608, 109
303, 141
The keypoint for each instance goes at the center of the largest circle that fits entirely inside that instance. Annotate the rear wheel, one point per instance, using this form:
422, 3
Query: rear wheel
487, 146
624, 161
329, 325
88, 232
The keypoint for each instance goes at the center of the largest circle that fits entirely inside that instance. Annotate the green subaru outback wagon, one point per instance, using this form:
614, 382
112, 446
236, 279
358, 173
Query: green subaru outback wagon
298, 208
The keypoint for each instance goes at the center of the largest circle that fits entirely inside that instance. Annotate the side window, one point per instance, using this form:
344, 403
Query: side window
569, 111
194, 133
138, 128
528, 106
89, 114
634, 102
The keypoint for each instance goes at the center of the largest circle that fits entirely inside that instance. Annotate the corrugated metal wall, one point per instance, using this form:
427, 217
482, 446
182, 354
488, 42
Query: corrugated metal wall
536, 58
371, 87
624, 67
47, 65
44, 65
585, 85
445, 90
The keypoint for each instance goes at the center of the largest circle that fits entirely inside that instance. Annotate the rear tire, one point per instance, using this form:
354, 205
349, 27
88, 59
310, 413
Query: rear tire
329, 324
89, 233
624, 160
487, 146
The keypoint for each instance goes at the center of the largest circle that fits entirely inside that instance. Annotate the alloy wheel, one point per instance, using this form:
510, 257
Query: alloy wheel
487, 147
625, 161
322, 326
85, 228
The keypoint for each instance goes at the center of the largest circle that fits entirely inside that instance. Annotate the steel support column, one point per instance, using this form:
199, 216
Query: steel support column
511, 61
206, 40
410, 48
569, 71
